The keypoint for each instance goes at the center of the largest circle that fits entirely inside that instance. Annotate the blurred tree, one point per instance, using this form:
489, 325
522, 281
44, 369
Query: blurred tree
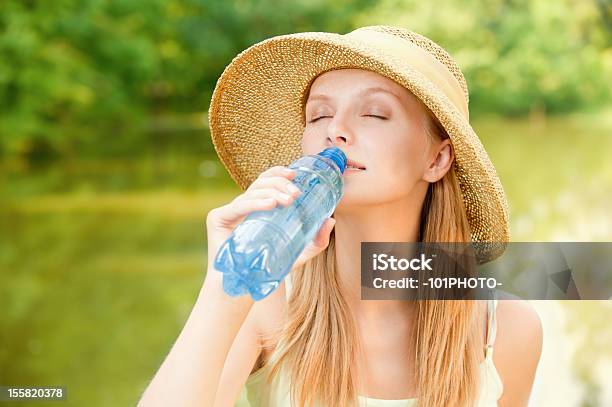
517, 55
90, 72
90, 75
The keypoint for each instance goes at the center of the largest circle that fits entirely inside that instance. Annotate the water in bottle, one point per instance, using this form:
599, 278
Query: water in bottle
262, 249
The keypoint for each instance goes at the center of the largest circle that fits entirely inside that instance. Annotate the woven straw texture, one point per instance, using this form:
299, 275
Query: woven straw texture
256, 113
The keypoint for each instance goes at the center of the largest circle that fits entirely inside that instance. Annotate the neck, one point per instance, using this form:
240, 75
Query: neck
394, 221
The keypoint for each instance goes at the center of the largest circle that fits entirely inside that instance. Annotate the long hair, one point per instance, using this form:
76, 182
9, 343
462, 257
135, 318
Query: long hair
319, 341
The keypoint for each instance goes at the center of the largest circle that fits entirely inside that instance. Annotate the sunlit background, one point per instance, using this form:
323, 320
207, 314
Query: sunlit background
107, 169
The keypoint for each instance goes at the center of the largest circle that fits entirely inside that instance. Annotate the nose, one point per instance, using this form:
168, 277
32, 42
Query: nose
337, 134
338, 139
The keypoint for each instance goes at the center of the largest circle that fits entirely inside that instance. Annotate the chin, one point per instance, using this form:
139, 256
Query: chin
353, 197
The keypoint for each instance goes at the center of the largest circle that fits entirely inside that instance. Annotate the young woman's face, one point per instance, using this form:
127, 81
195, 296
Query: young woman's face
378, 124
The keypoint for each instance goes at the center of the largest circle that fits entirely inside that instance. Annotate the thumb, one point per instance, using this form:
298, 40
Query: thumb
318, 244
322, 238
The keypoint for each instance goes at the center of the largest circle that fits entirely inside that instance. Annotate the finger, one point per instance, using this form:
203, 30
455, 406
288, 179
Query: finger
281, 196
279, 171
319, 243
241, 208
280, 183
322, 238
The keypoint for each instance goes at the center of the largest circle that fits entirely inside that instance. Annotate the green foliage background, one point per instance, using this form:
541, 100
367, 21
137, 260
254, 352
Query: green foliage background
75, 74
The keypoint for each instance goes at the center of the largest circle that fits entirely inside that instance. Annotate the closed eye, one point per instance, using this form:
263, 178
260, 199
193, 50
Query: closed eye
320, 117
367, 115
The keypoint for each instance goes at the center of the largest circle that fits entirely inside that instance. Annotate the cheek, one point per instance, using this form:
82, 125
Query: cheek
399, 165
310, 144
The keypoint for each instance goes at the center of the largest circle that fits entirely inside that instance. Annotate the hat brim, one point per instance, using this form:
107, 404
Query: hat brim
256, 118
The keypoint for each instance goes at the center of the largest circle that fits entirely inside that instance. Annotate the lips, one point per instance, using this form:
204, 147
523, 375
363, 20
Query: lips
354, 165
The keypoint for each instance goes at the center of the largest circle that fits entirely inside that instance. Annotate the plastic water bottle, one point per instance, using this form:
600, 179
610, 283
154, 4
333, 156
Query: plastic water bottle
262, 249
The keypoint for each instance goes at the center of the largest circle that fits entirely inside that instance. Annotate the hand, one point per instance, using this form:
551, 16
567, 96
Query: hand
268, 190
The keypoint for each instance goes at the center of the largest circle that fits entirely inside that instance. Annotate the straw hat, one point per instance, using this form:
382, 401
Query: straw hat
256, 112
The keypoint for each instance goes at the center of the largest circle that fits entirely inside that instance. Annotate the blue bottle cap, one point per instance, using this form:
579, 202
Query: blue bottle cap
337, 155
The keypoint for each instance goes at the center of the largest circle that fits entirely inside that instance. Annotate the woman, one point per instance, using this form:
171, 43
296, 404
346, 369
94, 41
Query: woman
396, 104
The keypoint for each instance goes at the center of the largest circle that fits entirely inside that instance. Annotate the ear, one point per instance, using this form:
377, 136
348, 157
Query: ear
441, 160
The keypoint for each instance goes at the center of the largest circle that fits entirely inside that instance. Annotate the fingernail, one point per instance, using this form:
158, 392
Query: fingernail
292, 188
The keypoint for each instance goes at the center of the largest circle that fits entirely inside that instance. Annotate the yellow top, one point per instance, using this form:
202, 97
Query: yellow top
256, 393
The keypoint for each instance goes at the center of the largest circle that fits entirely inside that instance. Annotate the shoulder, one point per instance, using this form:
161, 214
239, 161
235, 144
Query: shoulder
518, 325
517, 348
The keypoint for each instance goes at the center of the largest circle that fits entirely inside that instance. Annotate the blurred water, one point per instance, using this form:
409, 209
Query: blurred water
558, 178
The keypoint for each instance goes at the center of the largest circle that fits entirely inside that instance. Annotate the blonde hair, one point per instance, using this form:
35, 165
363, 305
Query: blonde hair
319, 342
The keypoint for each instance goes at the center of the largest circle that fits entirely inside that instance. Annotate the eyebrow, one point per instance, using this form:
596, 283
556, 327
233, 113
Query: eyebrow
367, 91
